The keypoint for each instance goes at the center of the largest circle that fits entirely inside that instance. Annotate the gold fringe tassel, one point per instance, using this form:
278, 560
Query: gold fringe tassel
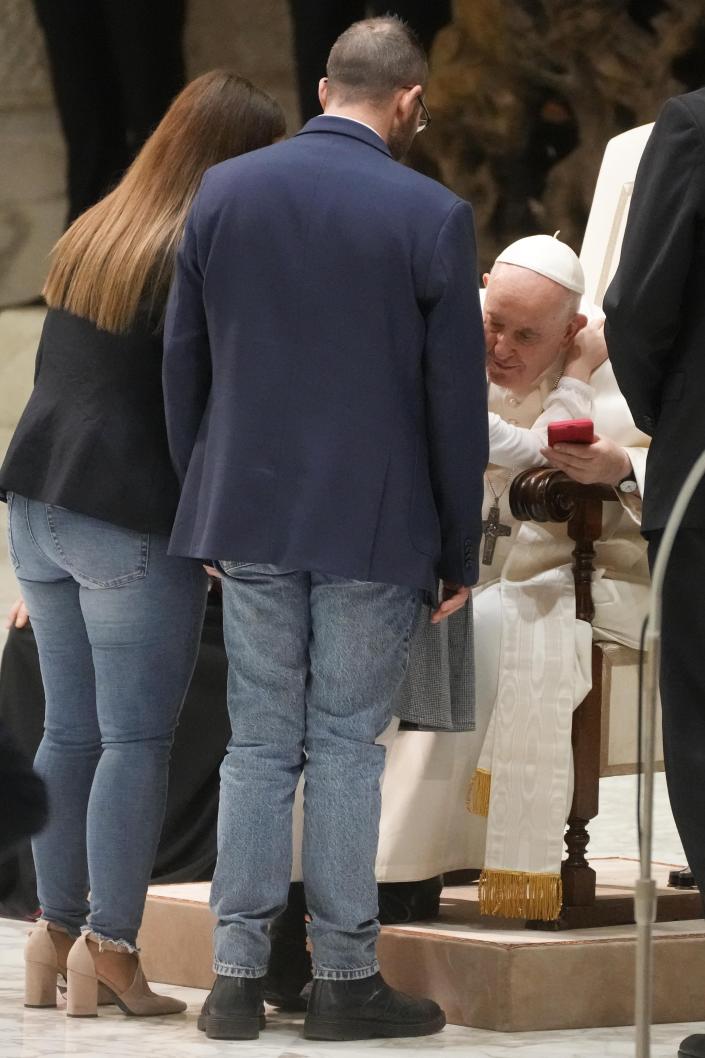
478, 796
519, 894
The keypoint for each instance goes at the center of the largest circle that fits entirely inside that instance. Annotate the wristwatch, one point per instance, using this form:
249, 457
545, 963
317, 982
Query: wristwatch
628, 484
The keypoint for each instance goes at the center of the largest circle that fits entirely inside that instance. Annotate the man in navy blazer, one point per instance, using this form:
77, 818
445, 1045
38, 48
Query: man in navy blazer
326, 406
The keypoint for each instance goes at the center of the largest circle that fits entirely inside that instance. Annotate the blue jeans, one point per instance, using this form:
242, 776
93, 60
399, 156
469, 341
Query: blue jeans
117, 624
315, 662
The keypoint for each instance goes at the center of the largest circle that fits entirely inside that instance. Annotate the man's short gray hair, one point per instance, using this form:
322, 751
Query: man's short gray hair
373, 58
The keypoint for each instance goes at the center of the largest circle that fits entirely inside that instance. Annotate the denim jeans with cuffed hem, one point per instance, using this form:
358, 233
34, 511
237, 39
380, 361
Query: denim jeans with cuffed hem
315, 662
117, 623
101, 939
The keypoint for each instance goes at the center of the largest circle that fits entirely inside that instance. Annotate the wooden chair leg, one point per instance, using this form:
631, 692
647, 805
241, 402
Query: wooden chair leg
578, 876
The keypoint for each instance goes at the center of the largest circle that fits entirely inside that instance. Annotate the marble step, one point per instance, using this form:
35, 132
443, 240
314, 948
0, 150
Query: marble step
487, 974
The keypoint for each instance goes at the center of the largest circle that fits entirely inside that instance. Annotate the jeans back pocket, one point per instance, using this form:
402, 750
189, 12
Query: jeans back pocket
98, 554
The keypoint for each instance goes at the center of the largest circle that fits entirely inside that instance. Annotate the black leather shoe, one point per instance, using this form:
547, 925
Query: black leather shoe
289, 972
233, 1009
401, 902
367, 1008
692, 1046
282, 996
682, 879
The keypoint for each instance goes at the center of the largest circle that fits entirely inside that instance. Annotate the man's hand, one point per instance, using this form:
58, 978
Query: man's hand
587, 353
18, 615
454, 598
602, 461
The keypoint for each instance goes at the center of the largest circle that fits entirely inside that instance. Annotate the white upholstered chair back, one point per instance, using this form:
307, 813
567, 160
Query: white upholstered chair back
604, 232
599, 257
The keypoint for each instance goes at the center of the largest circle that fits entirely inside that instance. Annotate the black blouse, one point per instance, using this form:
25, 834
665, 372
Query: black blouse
92, 437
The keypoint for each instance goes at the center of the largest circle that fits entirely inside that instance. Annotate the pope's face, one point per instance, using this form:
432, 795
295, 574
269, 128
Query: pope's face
530, 323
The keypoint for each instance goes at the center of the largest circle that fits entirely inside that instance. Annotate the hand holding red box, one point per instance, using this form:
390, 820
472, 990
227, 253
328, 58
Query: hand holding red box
571, 431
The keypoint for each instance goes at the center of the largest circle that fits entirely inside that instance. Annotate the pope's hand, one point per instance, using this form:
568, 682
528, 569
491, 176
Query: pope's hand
18, 615
454, 598
587, 353
602, 461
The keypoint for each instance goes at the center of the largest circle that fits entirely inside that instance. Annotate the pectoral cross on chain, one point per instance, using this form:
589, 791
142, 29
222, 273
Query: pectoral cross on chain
492, 528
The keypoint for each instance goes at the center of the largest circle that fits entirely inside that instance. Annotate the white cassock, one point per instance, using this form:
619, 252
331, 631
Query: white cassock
425, 828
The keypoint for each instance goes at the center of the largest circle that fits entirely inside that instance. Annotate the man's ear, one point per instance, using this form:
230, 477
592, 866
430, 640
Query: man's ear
323, 92
486, 279
407, 101
574, 327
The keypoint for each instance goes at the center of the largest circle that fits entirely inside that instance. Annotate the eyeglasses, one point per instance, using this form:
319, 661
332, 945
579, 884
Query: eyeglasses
425, 119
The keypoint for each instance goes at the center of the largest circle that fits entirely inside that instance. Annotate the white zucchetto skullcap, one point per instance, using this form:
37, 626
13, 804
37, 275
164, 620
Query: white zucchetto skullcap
549, 257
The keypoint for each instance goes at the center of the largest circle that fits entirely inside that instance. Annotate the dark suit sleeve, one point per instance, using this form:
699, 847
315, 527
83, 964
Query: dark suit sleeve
187, 363
643, 303
456, 395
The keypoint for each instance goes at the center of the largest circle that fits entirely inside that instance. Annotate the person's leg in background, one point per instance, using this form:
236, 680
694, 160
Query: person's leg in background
316, 25
289, 968
146, 45
87, 94
22, 795
683, 690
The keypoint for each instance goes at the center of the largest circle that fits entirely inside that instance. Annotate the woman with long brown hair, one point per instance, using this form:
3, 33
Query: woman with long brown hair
92, 496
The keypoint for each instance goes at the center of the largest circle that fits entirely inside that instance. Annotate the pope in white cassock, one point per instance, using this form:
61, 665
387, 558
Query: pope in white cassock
532, 657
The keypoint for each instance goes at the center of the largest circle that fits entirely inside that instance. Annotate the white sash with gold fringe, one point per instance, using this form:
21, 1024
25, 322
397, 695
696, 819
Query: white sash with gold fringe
524, 778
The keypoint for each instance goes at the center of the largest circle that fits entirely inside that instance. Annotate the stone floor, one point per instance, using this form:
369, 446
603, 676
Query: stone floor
32, 1034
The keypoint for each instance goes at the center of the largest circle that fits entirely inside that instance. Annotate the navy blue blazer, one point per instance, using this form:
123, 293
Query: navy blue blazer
324, 365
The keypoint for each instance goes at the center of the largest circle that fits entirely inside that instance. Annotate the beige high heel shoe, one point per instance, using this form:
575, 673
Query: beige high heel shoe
93, 962
45, 955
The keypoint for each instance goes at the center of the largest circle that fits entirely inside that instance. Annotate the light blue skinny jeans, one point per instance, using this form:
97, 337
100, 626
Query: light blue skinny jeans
315, 662
117, 624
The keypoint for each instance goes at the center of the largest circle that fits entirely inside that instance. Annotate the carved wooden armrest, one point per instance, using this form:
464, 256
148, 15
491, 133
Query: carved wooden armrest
543, 494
